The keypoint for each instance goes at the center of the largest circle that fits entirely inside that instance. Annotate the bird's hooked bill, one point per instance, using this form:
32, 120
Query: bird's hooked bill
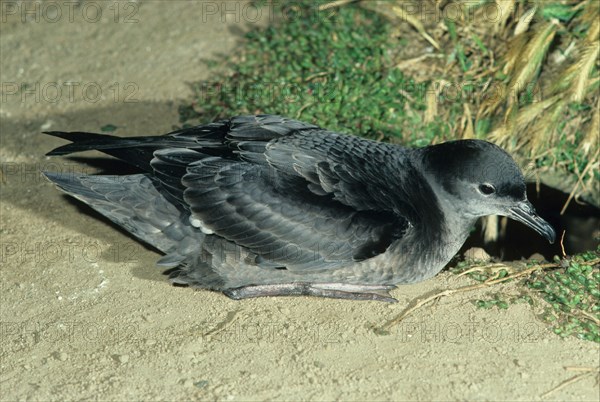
525, 213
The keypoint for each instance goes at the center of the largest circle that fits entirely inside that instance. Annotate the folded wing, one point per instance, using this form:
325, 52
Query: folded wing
296, 196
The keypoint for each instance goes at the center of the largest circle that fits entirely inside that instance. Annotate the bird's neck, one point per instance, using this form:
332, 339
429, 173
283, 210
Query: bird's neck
427, 253
453, 232
438, 229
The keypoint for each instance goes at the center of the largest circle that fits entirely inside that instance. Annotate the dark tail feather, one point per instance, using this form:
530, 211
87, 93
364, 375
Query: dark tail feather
90, 141
137, 151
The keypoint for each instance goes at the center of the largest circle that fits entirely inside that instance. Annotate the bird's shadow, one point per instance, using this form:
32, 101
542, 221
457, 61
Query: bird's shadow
25, 187
104, 165
126, 251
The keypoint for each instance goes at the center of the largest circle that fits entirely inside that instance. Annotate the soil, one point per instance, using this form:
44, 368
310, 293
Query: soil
84, 312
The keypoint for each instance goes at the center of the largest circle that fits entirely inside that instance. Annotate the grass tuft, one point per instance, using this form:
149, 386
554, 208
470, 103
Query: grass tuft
532, 67
334, 69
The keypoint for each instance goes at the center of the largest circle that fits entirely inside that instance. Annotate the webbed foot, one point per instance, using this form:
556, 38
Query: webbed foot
331, 290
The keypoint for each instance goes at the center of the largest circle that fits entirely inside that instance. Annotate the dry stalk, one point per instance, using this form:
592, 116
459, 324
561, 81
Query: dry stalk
449, 292
587, 372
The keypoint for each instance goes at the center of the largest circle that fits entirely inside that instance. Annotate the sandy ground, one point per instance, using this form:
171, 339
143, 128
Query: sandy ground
86, 315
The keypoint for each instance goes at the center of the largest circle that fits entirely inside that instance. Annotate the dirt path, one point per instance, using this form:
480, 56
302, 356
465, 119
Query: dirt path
86, 315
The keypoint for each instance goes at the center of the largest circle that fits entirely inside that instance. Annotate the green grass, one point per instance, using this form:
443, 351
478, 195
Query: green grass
567, 294
334, 70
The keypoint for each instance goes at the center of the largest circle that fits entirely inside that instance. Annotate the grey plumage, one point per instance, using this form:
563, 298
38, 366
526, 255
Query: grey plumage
264, 205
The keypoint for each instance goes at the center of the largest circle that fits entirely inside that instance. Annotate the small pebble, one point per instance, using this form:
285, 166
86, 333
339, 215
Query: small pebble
122, 358
537, 257
46, 125
477, 254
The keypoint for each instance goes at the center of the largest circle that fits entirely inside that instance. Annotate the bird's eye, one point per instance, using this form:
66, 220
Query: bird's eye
486, 189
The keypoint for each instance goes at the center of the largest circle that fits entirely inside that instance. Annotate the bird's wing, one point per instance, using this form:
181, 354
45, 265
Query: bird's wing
295, 195
359, 173
362, 174
311, 208
296, 230
132, 201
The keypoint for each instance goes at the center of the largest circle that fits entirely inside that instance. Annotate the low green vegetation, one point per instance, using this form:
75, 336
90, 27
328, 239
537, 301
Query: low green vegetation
573, 295
565, 294
331, 68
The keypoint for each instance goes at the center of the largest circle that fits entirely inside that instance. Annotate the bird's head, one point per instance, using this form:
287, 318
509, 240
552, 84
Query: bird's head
477, 178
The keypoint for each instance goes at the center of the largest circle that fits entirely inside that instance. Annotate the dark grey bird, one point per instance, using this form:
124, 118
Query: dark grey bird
268, 206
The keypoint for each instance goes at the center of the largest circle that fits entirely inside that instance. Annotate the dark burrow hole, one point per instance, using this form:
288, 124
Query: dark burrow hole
580, 223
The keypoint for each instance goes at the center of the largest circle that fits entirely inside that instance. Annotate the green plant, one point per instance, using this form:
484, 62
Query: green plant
573, 295
567, 291
336, 70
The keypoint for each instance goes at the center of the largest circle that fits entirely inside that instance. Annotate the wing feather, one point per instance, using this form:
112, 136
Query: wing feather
237, 201
355, 171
